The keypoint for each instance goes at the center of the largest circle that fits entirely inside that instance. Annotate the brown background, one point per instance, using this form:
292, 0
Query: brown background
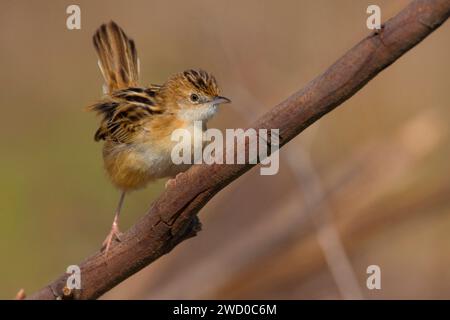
378, 165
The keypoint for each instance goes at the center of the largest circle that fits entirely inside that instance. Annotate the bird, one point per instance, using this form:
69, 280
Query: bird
136, 121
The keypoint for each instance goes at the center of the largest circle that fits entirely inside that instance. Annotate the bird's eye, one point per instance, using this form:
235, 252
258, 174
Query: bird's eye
194, 97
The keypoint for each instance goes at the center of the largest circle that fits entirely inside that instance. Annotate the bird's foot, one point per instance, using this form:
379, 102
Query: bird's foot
20, 295
114, 234
172, 181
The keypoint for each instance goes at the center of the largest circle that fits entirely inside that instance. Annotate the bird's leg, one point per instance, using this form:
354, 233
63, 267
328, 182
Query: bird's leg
115, 232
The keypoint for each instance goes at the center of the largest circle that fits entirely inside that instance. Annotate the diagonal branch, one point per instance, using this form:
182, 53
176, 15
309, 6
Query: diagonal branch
172, 218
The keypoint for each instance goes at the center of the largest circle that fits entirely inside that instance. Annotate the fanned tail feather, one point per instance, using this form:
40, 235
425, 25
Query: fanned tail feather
118, 60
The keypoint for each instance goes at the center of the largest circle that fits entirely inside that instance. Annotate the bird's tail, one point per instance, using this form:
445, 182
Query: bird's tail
118, 60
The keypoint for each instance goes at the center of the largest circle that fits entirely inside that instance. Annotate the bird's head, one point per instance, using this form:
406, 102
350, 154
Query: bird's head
194, 94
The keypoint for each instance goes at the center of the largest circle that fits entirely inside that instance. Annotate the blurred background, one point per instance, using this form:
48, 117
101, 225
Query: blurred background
368, 184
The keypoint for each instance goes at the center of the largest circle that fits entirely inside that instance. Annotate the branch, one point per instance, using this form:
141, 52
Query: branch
172, 218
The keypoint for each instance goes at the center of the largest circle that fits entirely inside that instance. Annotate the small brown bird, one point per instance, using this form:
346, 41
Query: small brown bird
137, 122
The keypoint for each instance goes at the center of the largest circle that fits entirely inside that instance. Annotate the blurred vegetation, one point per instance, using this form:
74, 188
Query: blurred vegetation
56, 203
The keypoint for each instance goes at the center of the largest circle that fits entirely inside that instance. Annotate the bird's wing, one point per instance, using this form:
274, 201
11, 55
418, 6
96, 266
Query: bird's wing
125, 112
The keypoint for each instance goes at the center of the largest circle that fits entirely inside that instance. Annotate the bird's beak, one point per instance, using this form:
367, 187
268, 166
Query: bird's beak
220, 100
